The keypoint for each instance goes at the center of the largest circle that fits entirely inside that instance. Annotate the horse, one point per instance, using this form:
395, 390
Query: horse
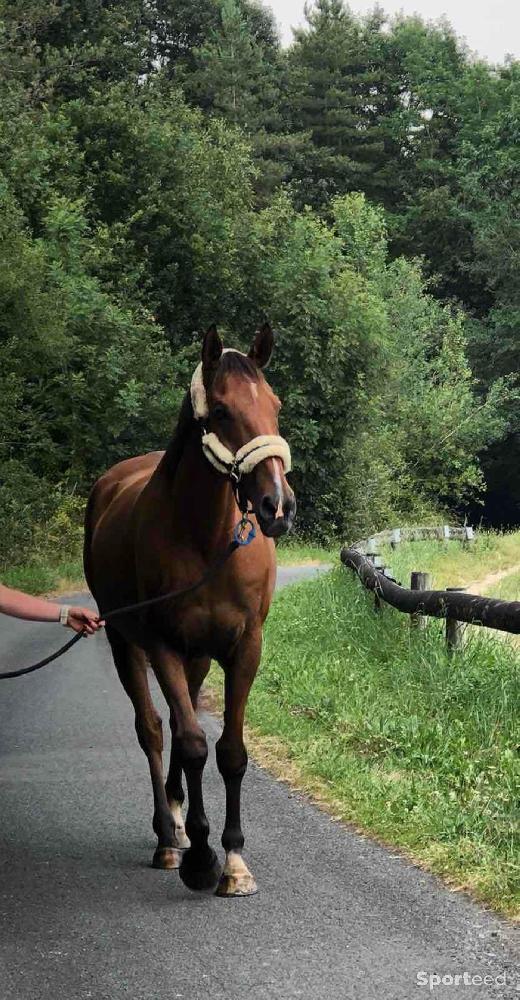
156, 524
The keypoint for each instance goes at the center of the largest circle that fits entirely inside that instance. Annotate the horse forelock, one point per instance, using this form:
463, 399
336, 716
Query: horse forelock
233, 362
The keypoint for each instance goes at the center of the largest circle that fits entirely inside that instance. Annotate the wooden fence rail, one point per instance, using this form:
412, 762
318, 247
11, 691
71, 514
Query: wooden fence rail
455, 605
393, 536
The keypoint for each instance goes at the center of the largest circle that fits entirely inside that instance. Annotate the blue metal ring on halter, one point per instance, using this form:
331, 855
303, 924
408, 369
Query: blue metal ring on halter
240, 527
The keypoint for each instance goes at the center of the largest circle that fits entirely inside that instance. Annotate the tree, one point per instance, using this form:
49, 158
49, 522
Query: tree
339, 92
65, 49
230, 72
489, 179
237, 74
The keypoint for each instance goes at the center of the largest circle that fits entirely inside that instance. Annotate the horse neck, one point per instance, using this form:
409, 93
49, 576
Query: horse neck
200, 502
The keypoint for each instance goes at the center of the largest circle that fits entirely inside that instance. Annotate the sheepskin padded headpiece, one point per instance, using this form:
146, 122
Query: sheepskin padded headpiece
250, 454
199, 400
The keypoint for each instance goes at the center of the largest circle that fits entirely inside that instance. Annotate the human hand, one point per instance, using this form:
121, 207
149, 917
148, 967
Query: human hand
84, 620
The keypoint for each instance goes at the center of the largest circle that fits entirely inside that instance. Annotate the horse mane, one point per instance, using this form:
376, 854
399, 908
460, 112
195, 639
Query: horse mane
175, 448
230, 362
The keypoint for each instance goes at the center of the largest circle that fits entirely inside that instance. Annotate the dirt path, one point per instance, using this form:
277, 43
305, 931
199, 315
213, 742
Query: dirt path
482, 586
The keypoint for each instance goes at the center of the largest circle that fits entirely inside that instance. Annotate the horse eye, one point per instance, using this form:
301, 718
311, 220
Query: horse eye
220, 412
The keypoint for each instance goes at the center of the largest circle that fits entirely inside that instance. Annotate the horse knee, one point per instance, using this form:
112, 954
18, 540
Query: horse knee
192, 748
231, 758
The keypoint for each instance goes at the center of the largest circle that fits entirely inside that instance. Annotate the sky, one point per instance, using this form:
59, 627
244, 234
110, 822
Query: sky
490, 27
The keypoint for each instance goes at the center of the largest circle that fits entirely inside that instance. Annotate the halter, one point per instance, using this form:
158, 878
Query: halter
235, 465
248, 456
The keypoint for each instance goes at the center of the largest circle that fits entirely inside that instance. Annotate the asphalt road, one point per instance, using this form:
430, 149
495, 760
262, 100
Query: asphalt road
82, 915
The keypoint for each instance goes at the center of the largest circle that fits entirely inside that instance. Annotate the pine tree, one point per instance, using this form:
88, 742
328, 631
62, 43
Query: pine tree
336, 95
231, 75
237, 75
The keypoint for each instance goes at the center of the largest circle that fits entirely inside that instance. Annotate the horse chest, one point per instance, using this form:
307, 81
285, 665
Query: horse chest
207, 630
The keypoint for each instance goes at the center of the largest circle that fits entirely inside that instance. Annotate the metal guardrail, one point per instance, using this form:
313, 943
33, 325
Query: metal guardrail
450, 604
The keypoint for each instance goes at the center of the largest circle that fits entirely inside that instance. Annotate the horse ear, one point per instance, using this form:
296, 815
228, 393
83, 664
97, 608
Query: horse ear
212, 348
262, 346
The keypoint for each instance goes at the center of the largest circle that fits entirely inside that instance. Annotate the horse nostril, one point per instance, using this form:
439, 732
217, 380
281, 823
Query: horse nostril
289, 507
268, 506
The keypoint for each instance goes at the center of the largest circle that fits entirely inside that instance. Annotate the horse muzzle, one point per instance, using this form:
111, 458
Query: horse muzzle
275, 517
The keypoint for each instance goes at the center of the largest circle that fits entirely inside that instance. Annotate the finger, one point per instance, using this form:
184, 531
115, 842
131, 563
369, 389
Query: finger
88, 615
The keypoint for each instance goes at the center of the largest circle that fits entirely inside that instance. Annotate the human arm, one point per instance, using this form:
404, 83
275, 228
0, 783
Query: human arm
20, 605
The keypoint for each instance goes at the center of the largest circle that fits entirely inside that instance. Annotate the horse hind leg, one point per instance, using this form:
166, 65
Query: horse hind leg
240, 671
132, 669
175, 798
196, 671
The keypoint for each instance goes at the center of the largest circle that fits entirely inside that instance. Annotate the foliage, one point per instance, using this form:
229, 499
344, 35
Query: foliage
339, 94
166, 165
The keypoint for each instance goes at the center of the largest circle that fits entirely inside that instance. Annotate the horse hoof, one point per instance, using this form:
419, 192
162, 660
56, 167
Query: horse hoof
166, 858
200, 872
236, 885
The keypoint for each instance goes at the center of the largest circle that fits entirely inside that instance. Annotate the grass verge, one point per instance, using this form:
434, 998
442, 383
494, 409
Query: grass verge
413, 747
293, 551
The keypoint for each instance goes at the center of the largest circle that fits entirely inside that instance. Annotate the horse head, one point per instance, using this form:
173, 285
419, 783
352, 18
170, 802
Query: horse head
239, 414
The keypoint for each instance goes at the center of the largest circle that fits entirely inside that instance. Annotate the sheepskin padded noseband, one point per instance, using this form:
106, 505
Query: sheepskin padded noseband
249, 455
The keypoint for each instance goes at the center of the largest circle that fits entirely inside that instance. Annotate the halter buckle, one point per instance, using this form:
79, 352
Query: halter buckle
235, 473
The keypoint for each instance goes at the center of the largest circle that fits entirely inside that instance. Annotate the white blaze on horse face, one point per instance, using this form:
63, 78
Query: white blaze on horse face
275, 462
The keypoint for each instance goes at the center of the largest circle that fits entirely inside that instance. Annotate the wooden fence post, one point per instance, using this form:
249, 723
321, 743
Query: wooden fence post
371, 551
419, 581
379, 565
469, 536
395, 537
455, 630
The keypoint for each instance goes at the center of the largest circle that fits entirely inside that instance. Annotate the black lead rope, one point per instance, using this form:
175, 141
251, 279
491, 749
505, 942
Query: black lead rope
238, 541
44, 662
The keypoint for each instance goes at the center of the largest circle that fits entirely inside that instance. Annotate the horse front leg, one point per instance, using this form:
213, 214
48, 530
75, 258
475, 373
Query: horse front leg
240, 671
199, 868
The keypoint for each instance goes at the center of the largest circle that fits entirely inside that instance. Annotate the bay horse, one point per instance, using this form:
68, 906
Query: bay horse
155, 524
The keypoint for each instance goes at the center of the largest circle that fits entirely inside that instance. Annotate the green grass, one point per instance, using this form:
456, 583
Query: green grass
292, 550
455, 564
42, 577
507, 589
413, 747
